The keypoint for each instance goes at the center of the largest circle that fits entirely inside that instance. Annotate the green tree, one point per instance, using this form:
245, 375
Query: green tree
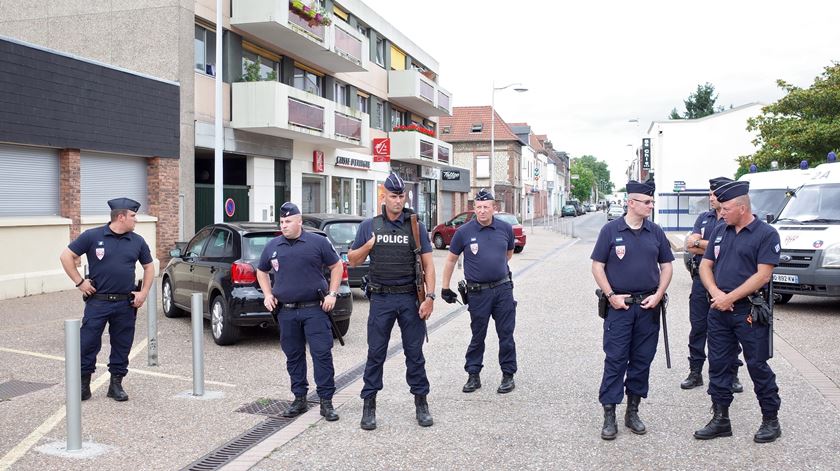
699, 104
802, 125
584, 183
600, 172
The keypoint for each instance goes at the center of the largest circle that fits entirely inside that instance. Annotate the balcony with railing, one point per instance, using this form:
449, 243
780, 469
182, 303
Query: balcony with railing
336, 47
412, 90
418, 148
276, 109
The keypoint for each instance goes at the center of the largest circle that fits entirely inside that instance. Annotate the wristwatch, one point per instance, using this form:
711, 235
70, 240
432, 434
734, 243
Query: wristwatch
333, 294
697, 243
610, 294
431, 296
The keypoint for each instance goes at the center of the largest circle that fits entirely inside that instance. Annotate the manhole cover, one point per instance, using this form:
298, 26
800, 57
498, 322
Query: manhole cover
14, 388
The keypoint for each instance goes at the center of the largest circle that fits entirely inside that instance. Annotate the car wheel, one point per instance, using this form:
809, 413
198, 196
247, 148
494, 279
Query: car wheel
783, 298
224, 333
438, 240
518, 249
167, 302
343, 327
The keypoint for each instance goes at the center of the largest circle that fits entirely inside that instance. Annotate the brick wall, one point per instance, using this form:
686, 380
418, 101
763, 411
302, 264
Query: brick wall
70, 188
163, 203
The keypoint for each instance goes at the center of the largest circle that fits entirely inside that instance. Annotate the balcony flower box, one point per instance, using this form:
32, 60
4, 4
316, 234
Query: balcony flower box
314, 15
414, 127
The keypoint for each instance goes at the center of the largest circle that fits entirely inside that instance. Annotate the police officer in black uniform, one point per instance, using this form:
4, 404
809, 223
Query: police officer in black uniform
698, 301
110, 293
487, 244
631, 263
737, 264
388, 239
297, 259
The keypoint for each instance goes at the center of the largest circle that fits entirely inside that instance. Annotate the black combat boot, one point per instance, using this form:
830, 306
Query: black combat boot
115, 390
369, 413
769, 430
424, 418
609, 431
694, 379
328, 411
719, 426
297, 407
85, 386
473, 383
737, 387
507, 384
631, 415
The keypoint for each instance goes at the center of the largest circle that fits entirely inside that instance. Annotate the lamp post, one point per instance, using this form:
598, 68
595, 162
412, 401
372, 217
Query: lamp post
517, 87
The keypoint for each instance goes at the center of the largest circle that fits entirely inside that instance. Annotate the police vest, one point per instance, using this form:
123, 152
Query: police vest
392, 256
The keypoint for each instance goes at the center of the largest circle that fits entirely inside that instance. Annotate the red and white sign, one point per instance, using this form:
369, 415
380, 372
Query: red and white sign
382, 150
317, 161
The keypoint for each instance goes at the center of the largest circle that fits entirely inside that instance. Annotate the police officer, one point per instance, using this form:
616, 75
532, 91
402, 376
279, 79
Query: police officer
631, 263
388, 240
112, 251
297, 259
738, 262
698, 301
487, 244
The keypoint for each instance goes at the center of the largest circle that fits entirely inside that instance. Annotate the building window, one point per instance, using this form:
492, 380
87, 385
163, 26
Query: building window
308, 81
446, 130
342, 93
482, 166
256, 67
380, 51
477, 127
379, 112
205, 50
398, 118
364, 103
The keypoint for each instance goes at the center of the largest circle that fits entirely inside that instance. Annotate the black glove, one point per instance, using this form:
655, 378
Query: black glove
448, 295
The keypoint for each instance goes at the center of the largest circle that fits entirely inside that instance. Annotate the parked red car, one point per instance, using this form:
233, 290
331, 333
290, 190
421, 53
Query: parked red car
442, 233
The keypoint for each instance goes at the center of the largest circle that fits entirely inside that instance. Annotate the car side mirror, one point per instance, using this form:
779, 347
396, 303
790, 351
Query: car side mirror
175, 253
770, 217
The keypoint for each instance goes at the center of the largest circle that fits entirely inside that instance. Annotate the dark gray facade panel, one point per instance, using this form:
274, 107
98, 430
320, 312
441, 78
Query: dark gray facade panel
461, 185
53, 100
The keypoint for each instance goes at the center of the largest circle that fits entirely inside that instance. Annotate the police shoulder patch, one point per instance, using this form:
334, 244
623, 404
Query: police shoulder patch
777, 248
718, 239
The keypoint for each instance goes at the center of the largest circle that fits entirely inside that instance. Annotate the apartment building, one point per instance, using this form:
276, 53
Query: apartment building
308, 85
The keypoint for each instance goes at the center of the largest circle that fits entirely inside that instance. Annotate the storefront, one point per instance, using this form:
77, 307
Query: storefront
454, 192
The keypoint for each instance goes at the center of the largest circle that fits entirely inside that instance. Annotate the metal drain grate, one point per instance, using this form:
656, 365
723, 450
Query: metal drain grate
270, 407
14, 388
227, 452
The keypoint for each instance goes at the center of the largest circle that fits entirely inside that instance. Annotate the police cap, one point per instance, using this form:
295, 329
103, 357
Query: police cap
123, 203
395, 184
714, 183
288, 209
483, 195
646, 188
731, 190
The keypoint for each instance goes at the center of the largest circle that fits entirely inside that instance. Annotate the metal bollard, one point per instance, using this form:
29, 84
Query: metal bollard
73, 383
198, 344
151, 313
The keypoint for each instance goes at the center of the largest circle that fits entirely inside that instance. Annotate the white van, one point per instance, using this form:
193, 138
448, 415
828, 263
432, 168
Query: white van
809, 228
768, 189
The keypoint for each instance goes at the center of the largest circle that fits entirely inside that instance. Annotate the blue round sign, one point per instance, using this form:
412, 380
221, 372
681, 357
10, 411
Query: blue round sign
230, 207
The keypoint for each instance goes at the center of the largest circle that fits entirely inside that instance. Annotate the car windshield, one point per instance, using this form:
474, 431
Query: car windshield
508, 218
768, 201
342, 233
569, 207
814, 204
253, 244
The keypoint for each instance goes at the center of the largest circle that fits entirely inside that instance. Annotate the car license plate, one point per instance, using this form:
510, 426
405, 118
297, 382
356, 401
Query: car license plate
778, 278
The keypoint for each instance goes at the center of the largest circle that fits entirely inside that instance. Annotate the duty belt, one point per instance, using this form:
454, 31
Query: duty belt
112, 297
298, 305
481, 286
382, 289
637, 298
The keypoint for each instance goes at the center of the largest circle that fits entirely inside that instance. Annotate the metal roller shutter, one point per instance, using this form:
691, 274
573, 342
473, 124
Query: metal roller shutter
108, 176
28, 181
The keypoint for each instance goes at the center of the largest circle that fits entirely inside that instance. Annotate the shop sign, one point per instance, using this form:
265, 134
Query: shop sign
350, 162
646, 153
431, 173
317, 161
382, 150
451, 175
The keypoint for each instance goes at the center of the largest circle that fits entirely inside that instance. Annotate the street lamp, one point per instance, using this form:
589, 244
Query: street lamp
517, 87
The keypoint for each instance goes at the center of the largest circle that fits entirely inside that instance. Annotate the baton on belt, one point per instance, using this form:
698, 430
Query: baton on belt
665, 330
332, 321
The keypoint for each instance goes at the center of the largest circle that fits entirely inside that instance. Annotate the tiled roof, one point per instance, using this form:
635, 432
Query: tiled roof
461, 122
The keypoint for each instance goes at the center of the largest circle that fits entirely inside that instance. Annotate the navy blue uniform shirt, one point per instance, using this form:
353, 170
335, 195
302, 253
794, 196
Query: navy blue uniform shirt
484, 248
632, 260
365, 232
298, 266
112, 258
737, 256
704, 225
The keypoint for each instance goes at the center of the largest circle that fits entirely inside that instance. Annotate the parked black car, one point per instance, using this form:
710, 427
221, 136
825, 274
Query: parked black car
220, 262
341, 230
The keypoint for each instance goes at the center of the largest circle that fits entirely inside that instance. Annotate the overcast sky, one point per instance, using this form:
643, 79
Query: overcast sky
591, 66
